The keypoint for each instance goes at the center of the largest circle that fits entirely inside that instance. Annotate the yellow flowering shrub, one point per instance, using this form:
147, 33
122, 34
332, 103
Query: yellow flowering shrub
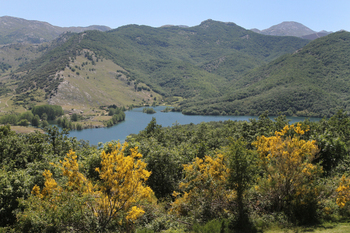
123, 184
289, 175
343, 192
116, 198
204, 193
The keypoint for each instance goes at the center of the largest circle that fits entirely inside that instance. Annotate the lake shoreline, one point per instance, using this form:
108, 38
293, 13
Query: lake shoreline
136, 120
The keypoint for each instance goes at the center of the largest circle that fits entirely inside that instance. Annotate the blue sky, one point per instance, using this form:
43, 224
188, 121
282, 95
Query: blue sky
329, 15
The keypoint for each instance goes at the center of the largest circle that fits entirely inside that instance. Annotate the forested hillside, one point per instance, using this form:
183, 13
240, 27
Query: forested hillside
193, 63
313, 81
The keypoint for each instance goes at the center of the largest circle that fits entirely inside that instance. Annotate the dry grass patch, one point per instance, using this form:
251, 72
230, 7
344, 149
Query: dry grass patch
90, 86
102, 118
23, 129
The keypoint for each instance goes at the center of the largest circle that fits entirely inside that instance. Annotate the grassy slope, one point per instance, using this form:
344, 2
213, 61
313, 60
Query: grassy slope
16, 55
100, 86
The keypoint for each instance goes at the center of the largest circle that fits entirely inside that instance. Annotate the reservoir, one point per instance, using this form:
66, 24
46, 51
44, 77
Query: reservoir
136, 120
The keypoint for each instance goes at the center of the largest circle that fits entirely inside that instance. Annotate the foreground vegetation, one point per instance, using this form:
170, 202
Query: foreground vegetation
39, 116
260, 175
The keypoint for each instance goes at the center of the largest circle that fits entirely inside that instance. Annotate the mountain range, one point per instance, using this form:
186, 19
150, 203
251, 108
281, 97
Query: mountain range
213, 68
14, 30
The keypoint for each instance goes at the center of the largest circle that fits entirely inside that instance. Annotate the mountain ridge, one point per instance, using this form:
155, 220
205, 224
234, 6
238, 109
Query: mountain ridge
214, 68
195, 62
14, 30
313, 81
292, 28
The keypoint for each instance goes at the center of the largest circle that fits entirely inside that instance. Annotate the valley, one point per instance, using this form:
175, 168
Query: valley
214, 68
207, 128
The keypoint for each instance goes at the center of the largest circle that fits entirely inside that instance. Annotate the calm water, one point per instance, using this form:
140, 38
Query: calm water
136, 120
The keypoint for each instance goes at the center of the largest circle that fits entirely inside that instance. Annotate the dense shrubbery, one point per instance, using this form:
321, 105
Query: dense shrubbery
4, 67
148, 110
218, 175
117, 114
51, 111
295, 185
23, 119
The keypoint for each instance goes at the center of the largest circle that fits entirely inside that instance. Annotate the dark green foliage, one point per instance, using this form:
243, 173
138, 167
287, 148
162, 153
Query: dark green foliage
44, 124
4, 90
65, 123
332, 137
113, 110
11, 119
79, 126
13, 185
23, 158
4, 67
28, 115
152, 129
36, 121
44, 116
17, 119
76, 117
60, 141
243, 167
213, 226
117, 114
149, 110
23, 122
165, 149
313, 81
166, 171
52, 111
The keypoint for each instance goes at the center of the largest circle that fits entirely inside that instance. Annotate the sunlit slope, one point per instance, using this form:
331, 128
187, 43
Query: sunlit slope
105, 83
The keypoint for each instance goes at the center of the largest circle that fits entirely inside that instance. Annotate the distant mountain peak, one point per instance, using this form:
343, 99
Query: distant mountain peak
170, 25
291, 28
255, 30
288, 28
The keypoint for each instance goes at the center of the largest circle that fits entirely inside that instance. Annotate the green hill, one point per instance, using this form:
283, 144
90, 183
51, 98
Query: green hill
314, 81
194, 63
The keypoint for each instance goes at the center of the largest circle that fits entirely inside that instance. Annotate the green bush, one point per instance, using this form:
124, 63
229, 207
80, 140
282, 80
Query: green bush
52, 111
